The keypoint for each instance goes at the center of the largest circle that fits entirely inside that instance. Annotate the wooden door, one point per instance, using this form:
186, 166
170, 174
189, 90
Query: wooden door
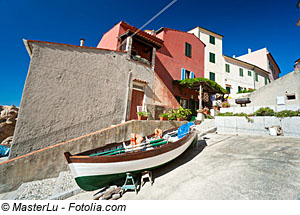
136, 100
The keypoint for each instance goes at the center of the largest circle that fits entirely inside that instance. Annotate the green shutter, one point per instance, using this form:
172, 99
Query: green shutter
249, 73
239, 89
212, 57
227, 68
256, 77
266, 81
188, 49
212, 40
228, 89
212, 76
241, 72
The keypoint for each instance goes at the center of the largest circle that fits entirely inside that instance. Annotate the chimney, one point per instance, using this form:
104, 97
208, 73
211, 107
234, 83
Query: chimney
82, 41
233, 56
249, 51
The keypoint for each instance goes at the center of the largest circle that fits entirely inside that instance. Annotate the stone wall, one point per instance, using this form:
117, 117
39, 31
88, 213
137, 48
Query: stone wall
240, 125
50, 161
71, 91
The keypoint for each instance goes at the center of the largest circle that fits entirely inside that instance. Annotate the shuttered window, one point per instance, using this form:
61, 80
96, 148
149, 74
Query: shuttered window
188, 50
228, 89
239, 89
182, 73
256, 77
249, 73
212, 40
266, 81
212, 76
212, 57
227, 68
241, 72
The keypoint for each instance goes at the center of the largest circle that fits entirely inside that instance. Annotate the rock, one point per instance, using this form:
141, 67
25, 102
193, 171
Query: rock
108, 194
8, 117
7, 141
116, 196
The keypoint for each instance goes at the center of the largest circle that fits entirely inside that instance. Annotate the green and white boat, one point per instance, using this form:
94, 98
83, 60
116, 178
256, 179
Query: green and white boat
104, 166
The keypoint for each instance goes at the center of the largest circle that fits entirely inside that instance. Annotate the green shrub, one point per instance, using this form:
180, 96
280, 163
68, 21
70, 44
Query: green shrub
264, 111
246, 91
141, 113
287, 113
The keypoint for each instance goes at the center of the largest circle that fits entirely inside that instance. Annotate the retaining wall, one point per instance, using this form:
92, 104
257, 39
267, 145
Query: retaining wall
252, 109
290, 125
50, 161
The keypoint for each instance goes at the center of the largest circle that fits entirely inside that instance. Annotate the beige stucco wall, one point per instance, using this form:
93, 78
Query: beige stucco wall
71, 91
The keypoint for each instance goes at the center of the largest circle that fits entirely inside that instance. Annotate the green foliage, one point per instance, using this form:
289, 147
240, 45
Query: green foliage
246, 91
163, 115
287, 113
264, 111
237, 114
172, 114
180, 113
183, 113
225, 105
192, 81
141, 113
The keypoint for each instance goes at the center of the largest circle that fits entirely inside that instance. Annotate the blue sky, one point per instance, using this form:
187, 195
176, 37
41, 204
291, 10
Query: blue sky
244, 24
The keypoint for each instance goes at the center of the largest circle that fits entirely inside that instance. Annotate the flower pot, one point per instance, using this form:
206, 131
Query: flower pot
142, 117
163, 118
180, 119
200, 116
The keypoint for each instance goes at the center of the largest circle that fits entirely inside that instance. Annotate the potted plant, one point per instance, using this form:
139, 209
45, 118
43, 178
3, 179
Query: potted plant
182, 113
225, 104
172, 115
143, 115
163, 116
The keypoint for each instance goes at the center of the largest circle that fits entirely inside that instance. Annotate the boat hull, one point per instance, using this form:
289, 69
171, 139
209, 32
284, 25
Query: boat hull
91, 176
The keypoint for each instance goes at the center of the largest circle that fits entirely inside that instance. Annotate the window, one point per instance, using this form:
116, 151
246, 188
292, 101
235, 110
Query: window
227, 68
228, 89
188, 50
266, 81
256, 77
212, 40
212, 57
240, 88
187, 74
212, 76
291, 96
249, 73
241, 72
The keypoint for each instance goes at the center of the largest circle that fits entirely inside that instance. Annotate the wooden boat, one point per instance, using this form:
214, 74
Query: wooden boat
104, 166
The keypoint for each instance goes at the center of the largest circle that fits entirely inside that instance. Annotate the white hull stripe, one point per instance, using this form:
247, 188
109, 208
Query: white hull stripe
93, 169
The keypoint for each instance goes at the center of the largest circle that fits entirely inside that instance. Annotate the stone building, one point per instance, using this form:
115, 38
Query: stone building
74, 90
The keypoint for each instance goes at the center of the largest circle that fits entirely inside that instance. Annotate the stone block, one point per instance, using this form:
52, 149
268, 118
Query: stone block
226, 110
242, 125
258, 126
291, 126
247, 110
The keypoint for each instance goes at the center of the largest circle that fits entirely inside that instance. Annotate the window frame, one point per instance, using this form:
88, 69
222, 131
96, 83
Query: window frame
227, 68
188, 49
212, 57
241, 72
212, 40
212, 74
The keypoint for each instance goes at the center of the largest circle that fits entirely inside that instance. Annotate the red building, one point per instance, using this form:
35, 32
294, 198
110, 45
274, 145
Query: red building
172, 54
180, 57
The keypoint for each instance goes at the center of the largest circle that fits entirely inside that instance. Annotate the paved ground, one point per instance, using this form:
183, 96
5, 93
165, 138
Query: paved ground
229, 167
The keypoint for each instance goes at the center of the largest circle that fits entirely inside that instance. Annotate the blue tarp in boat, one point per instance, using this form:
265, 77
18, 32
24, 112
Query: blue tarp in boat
184, 129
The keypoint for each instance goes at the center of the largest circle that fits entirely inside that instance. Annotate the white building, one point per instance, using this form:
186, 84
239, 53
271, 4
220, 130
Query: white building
250, 71
264, 60
213, 58
241, 75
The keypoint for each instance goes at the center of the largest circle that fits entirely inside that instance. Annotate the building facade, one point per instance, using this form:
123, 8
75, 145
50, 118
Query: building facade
181, 57
250, 71
214, 62
263, 59
240, 75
